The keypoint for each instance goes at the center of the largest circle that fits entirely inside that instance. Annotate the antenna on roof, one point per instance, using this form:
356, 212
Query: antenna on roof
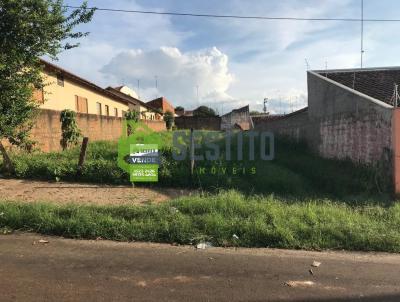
395, 97
307, 65
156, 78
362, 32
265, 105
326, 68
138, 88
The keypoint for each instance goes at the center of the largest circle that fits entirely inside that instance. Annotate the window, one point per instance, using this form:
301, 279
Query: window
123, 113
81, 104
107, 109
98, 107
115, 111
60, 80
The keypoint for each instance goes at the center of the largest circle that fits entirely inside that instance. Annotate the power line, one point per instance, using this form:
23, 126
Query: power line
233, 16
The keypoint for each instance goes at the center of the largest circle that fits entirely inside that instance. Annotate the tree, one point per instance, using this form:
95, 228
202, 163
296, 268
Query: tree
179, 108
132, 115
70, 132
204, 111
169, 119
30, 29
255, 112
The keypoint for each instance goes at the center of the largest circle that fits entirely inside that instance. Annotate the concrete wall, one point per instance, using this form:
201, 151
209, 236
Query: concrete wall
198, 123
340, 123
47, 130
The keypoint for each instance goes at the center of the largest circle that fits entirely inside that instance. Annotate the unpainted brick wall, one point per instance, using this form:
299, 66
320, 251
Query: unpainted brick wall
47, 130
198, 123
339, 123
365, 139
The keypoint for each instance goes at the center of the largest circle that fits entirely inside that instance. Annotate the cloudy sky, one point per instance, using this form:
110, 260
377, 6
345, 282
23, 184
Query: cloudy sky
227, 63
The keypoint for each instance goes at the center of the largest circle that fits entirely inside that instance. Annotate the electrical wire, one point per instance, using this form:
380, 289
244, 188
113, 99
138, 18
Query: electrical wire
233, 16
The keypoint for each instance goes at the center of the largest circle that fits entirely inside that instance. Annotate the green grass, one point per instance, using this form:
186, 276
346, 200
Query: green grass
295, 171
258, 222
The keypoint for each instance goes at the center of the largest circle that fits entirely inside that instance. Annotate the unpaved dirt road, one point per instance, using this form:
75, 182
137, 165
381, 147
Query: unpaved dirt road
72, 270
31, 191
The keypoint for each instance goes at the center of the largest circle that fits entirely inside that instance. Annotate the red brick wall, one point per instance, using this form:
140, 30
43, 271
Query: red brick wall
198, 123
156, 125
47, 130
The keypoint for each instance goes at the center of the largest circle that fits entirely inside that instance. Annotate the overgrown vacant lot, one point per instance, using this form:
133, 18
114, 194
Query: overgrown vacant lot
297, 200
295, 172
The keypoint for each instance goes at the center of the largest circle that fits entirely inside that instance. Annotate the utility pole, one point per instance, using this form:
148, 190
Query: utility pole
362, 32
138, 88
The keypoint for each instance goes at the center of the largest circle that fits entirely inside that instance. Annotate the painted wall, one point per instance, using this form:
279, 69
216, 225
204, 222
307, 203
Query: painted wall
396, 149
60, 98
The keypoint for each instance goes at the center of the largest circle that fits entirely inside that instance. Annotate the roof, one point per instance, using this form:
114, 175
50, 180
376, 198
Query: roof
377, 83
52, 67
163, 103
129, 98
242, 109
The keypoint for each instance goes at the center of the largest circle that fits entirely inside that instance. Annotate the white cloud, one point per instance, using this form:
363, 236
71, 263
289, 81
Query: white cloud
266, 58
179, 74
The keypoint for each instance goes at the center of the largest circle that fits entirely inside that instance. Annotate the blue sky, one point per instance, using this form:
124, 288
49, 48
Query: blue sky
229, 62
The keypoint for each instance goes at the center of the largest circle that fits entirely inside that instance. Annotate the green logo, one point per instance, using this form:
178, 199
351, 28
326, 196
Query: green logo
139, 152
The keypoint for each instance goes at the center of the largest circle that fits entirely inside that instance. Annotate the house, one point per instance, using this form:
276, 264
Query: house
147, 112
237, 119
162, 104
65, 90
351, 114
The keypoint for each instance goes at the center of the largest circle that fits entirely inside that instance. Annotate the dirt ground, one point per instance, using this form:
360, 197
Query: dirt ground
61, 192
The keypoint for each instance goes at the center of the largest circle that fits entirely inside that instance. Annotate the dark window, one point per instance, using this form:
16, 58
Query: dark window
107, 110
60, 80
116, 111
98, 106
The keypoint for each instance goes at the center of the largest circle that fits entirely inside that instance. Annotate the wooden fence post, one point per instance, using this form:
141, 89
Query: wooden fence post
8, 165
82, 155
